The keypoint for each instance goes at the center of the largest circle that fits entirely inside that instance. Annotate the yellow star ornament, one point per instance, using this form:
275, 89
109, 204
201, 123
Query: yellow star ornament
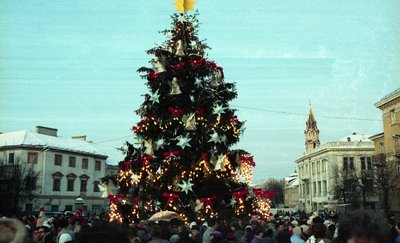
184, 5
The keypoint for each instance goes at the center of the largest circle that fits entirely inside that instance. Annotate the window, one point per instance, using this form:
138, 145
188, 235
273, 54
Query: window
72, 161
68, 207
84, 180
57, 159
351, 163
96, 186
369, 163
348, 163
349, 185
323, 166
314, 188
318, 167
70, 182
11, 158
393, 116
83, 185
97, 165
54, 208
57, 181
32, 158
366, 163
363, 166
56, 184
85, 163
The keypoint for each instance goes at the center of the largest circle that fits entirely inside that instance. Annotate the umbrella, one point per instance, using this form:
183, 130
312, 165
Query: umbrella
165, 216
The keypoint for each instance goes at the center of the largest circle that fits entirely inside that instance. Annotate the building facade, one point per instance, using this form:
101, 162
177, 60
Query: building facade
320, 166
291, 191
69, 169
387, 145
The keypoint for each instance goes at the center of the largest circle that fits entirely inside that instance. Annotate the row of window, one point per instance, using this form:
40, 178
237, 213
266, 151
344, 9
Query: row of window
71, 182
348, 163
72, 162
33, 159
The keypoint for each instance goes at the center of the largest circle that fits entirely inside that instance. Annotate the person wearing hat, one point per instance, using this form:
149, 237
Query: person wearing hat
296, 237
195, 234
41, 218
12, 230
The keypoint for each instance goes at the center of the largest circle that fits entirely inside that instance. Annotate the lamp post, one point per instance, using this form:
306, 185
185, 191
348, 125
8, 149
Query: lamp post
79, 203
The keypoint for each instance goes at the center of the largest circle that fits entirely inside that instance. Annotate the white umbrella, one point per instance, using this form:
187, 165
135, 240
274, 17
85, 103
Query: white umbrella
165, 216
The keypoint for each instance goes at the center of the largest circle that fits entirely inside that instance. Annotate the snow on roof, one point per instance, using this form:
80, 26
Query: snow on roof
356, 138
28, 138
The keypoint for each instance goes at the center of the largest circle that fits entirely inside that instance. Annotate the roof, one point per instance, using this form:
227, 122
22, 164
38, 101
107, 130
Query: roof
356, 137
34, 139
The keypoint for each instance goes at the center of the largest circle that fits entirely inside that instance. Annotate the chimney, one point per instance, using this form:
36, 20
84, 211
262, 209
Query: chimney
47, 131
80, 137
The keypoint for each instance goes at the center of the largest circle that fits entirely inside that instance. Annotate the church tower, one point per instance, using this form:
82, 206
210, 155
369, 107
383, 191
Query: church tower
311, 132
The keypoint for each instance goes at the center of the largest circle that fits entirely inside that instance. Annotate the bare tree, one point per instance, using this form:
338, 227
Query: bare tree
347, 187
385, 179
277, 186
18, 181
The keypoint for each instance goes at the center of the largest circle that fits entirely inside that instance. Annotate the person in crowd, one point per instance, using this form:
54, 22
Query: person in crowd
195, 234
362, 226
248, 234
282, 235
65, 234
258, 234
216, 237
42, 234
212, 226
12, 230
268, 237
397, 239
318, 230
237, 231
296, 237
103, 232
305, 232
155, 234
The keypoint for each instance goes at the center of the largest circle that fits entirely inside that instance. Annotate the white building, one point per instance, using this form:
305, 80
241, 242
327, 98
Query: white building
319, 165
69, 168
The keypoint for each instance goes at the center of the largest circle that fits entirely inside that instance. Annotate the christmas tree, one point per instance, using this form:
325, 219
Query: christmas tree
185, 162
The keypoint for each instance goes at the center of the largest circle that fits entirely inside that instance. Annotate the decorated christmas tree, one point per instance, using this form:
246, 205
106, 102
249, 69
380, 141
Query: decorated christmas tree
183, 161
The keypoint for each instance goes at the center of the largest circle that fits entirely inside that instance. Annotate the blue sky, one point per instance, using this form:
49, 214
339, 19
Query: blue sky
72, 65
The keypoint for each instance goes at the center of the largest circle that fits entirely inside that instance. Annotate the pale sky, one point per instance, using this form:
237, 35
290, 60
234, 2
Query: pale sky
72, 65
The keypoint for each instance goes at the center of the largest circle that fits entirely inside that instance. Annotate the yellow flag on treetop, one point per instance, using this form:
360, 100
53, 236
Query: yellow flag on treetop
184, 5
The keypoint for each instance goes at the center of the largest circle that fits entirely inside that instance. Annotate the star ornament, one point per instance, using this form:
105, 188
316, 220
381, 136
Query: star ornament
219, 109
184, 5
214, 138
160, 143
154, 97
183, 141
233, 201
186, 186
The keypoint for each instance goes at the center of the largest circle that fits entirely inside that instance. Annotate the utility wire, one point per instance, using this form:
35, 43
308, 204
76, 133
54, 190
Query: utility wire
257, 109
298, 114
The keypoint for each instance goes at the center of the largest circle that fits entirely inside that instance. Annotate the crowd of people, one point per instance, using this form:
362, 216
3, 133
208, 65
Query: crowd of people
324, 227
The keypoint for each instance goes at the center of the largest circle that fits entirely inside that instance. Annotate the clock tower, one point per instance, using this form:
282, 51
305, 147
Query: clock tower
311, 132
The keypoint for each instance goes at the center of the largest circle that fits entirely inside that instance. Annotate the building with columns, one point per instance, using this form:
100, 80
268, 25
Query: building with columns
69, 168
319, 165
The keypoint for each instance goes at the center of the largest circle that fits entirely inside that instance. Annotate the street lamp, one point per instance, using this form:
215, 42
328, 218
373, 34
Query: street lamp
79, 203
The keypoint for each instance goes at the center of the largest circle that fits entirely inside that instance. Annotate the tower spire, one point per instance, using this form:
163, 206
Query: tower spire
311, 132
